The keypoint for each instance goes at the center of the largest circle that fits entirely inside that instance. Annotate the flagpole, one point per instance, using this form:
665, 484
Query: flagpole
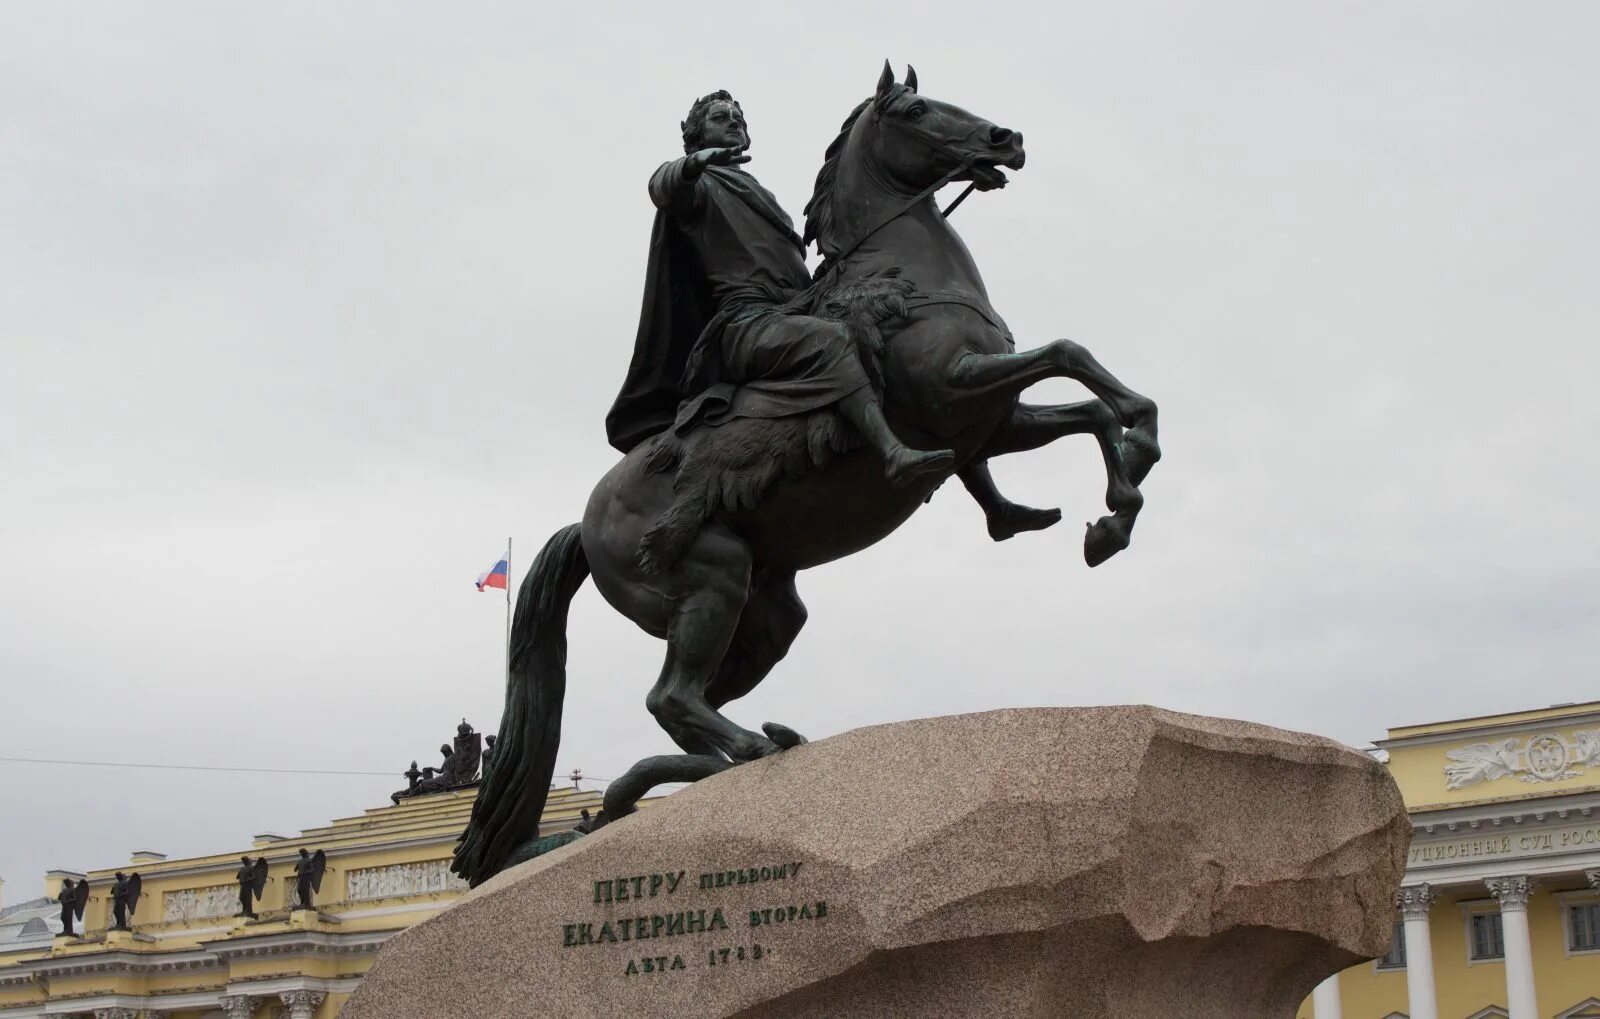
508, 612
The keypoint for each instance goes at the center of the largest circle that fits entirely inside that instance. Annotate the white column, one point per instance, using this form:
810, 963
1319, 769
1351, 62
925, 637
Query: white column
1325, 1002
301, 1004
1414, 901
1513, 893
238, 1006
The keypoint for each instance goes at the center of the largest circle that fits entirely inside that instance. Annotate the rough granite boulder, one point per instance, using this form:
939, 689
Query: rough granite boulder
1086, 862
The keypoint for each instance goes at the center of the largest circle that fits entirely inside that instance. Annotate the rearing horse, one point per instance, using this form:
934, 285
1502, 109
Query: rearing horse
725, 602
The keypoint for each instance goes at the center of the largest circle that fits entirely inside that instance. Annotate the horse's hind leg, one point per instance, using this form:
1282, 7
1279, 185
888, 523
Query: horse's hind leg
1031, 426
984, 373
772, 618
714, 575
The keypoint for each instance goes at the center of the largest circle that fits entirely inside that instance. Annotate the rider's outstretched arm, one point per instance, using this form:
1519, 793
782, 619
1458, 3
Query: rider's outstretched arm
676, 187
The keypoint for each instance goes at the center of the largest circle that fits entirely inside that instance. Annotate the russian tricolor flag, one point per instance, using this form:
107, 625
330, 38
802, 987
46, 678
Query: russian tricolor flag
496, 577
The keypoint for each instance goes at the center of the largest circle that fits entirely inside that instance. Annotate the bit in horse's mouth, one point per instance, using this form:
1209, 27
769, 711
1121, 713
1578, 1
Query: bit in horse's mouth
988, 177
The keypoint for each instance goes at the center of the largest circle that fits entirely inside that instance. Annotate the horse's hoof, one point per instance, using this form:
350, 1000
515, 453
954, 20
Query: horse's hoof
1105, 538
1012, 520
1140, 452
781, 734
907, 465
753, 749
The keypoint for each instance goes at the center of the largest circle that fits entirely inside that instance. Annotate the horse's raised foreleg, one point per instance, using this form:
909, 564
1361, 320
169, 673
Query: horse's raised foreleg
715, 573
976, 374
1031, 426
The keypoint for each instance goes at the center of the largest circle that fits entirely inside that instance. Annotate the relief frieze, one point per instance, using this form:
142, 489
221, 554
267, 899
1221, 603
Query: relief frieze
200, 903
401, 879
1546, 757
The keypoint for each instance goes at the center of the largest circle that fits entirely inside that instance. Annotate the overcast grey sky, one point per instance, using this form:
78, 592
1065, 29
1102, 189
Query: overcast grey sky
305, 307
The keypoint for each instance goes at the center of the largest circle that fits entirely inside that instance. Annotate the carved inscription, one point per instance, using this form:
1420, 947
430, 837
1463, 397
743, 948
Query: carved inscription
677, 909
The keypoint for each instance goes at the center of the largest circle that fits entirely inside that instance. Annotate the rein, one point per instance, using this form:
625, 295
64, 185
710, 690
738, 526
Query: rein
921, 197
959, 199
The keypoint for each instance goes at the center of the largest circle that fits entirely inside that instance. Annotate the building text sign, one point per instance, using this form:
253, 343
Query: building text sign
1567, 839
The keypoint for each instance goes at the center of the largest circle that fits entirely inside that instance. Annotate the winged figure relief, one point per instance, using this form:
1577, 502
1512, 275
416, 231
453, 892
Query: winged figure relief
1480, 762
1586, 747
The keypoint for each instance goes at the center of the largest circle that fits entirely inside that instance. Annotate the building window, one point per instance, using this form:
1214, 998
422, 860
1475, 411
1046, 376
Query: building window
1487, 940
1583, 926
1396, 959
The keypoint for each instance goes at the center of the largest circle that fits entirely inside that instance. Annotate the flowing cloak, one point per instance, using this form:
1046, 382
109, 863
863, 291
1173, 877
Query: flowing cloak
690, 307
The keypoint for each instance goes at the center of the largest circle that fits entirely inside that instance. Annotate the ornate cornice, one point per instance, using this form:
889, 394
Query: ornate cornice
1414, 901
1502, 818
210, 956
1594, 878
1512, 892
103, 962
297, 942
1509, 727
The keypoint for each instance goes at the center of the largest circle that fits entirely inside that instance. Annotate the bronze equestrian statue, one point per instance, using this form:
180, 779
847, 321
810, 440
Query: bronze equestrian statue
772, 421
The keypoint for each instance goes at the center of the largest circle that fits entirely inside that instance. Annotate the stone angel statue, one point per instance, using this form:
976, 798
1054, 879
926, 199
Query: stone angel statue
124, 899
1481, 762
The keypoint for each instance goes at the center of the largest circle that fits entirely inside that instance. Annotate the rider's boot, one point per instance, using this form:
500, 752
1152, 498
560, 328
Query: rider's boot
1005, 518
902, 464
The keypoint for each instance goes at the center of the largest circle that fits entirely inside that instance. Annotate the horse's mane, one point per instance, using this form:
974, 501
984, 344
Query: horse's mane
819, 211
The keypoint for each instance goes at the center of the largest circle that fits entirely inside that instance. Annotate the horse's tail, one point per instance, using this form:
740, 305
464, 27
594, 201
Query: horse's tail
512, 794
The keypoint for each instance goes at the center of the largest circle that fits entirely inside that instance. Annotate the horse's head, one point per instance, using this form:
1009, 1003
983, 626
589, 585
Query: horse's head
901, 142
916, 142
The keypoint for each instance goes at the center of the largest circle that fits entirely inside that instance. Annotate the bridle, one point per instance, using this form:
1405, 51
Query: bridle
966, 162
941, 148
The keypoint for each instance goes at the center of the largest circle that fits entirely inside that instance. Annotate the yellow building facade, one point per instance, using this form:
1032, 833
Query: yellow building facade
187, 956
1499, 913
